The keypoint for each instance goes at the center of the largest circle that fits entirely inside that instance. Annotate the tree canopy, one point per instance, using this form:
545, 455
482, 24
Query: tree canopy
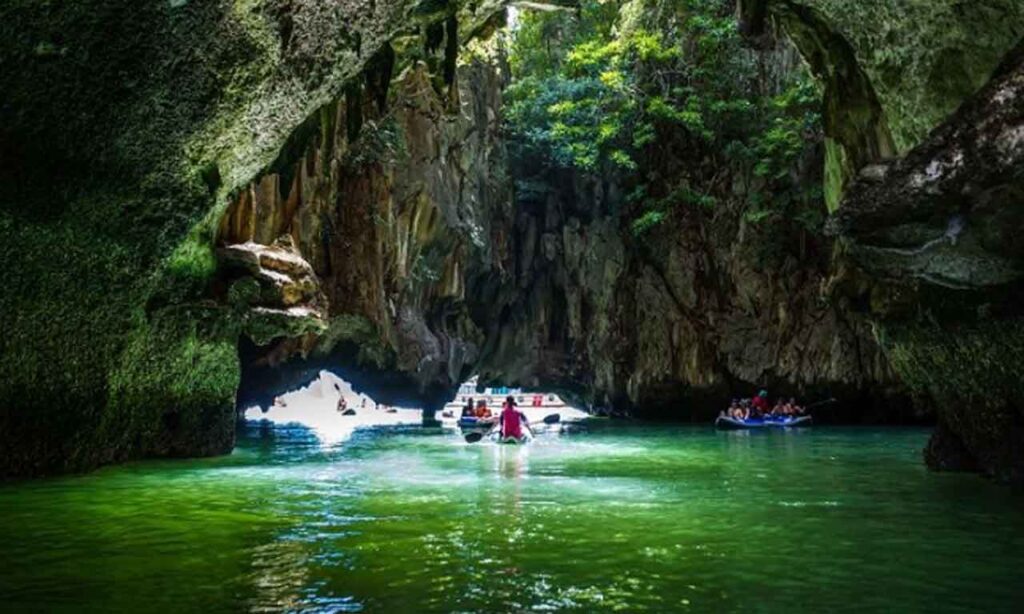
621, 86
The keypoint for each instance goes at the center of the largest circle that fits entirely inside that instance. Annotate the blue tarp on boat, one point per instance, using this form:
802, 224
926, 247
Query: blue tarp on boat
727, 423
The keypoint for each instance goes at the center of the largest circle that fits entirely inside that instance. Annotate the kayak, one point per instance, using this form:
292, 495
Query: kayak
514, 441
733, 424
471, 423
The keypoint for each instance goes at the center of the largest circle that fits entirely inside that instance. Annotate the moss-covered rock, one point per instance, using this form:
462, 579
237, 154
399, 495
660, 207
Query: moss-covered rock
923, 58
973, 372
893, 70
940, 227
125, 125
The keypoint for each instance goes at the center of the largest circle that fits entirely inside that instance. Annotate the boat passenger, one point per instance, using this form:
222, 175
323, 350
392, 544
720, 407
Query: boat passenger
512, 420
761, 402
779, 409
467, 409
481, 409
797, 409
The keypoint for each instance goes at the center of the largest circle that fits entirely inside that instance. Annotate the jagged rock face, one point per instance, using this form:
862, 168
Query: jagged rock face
672, 324
125, 127
928, 247
946, 214
938, 229
393, 222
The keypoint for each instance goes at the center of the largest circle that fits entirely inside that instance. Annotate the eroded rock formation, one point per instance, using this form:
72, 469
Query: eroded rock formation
197, 194
937, 232
892, 71
395, 218
125, 128
671, 323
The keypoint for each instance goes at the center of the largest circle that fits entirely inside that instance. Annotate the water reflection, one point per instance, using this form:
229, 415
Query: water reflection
627, 518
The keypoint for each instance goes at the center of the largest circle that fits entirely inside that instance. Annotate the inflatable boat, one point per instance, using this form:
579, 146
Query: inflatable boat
733, 424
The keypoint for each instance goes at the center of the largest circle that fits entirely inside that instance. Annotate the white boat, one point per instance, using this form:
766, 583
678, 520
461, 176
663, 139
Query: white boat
495, 399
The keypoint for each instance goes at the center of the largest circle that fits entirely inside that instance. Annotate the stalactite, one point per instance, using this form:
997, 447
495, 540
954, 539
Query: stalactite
378, 76
451, 48
353, 110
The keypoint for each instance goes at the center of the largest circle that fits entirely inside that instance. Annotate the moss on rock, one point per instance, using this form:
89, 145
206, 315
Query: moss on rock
125, 125
893, 70
972, 371
924, 58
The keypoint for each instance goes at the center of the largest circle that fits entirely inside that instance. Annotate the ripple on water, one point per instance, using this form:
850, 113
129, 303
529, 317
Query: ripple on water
634, 518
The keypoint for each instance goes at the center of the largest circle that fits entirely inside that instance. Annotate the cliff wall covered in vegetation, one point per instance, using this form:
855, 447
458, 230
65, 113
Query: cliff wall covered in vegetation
202, 204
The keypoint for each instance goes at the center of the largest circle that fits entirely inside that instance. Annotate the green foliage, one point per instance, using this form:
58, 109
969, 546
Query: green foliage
629, 84
378, 141
793, 119
649, 219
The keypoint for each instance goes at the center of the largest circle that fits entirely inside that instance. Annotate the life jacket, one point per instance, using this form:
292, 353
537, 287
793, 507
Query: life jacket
511, 423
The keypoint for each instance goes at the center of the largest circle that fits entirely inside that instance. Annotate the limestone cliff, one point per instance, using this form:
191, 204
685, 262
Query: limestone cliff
125, 128
923, 175
395, 218
198, 195
708, 305
937, 232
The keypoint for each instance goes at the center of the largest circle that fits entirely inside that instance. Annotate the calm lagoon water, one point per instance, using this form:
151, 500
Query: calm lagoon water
608, 517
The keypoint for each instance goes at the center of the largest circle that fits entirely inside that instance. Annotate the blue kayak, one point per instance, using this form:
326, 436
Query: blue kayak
471, 423
733, 424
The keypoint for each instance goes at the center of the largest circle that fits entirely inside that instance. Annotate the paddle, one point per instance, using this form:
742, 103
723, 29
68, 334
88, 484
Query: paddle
476, 436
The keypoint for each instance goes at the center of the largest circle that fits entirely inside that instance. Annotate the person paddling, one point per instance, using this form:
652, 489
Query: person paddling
512, 420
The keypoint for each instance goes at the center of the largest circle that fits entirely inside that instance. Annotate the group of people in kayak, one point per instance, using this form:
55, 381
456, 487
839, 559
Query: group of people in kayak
510, 421
758, 408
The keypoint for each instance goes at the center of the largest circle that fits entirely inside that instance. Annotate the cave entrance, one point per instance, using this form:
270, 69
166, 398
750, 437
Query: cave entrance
331, 408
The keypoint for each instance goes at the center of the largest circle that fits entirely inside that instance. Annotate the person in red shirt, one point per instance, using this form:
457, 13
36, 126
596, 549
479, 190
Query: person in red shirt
512, 420
760, 402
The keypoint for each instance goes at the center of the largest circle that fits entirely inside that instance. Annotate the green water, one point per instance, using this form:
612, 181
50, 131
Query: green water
610, 518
